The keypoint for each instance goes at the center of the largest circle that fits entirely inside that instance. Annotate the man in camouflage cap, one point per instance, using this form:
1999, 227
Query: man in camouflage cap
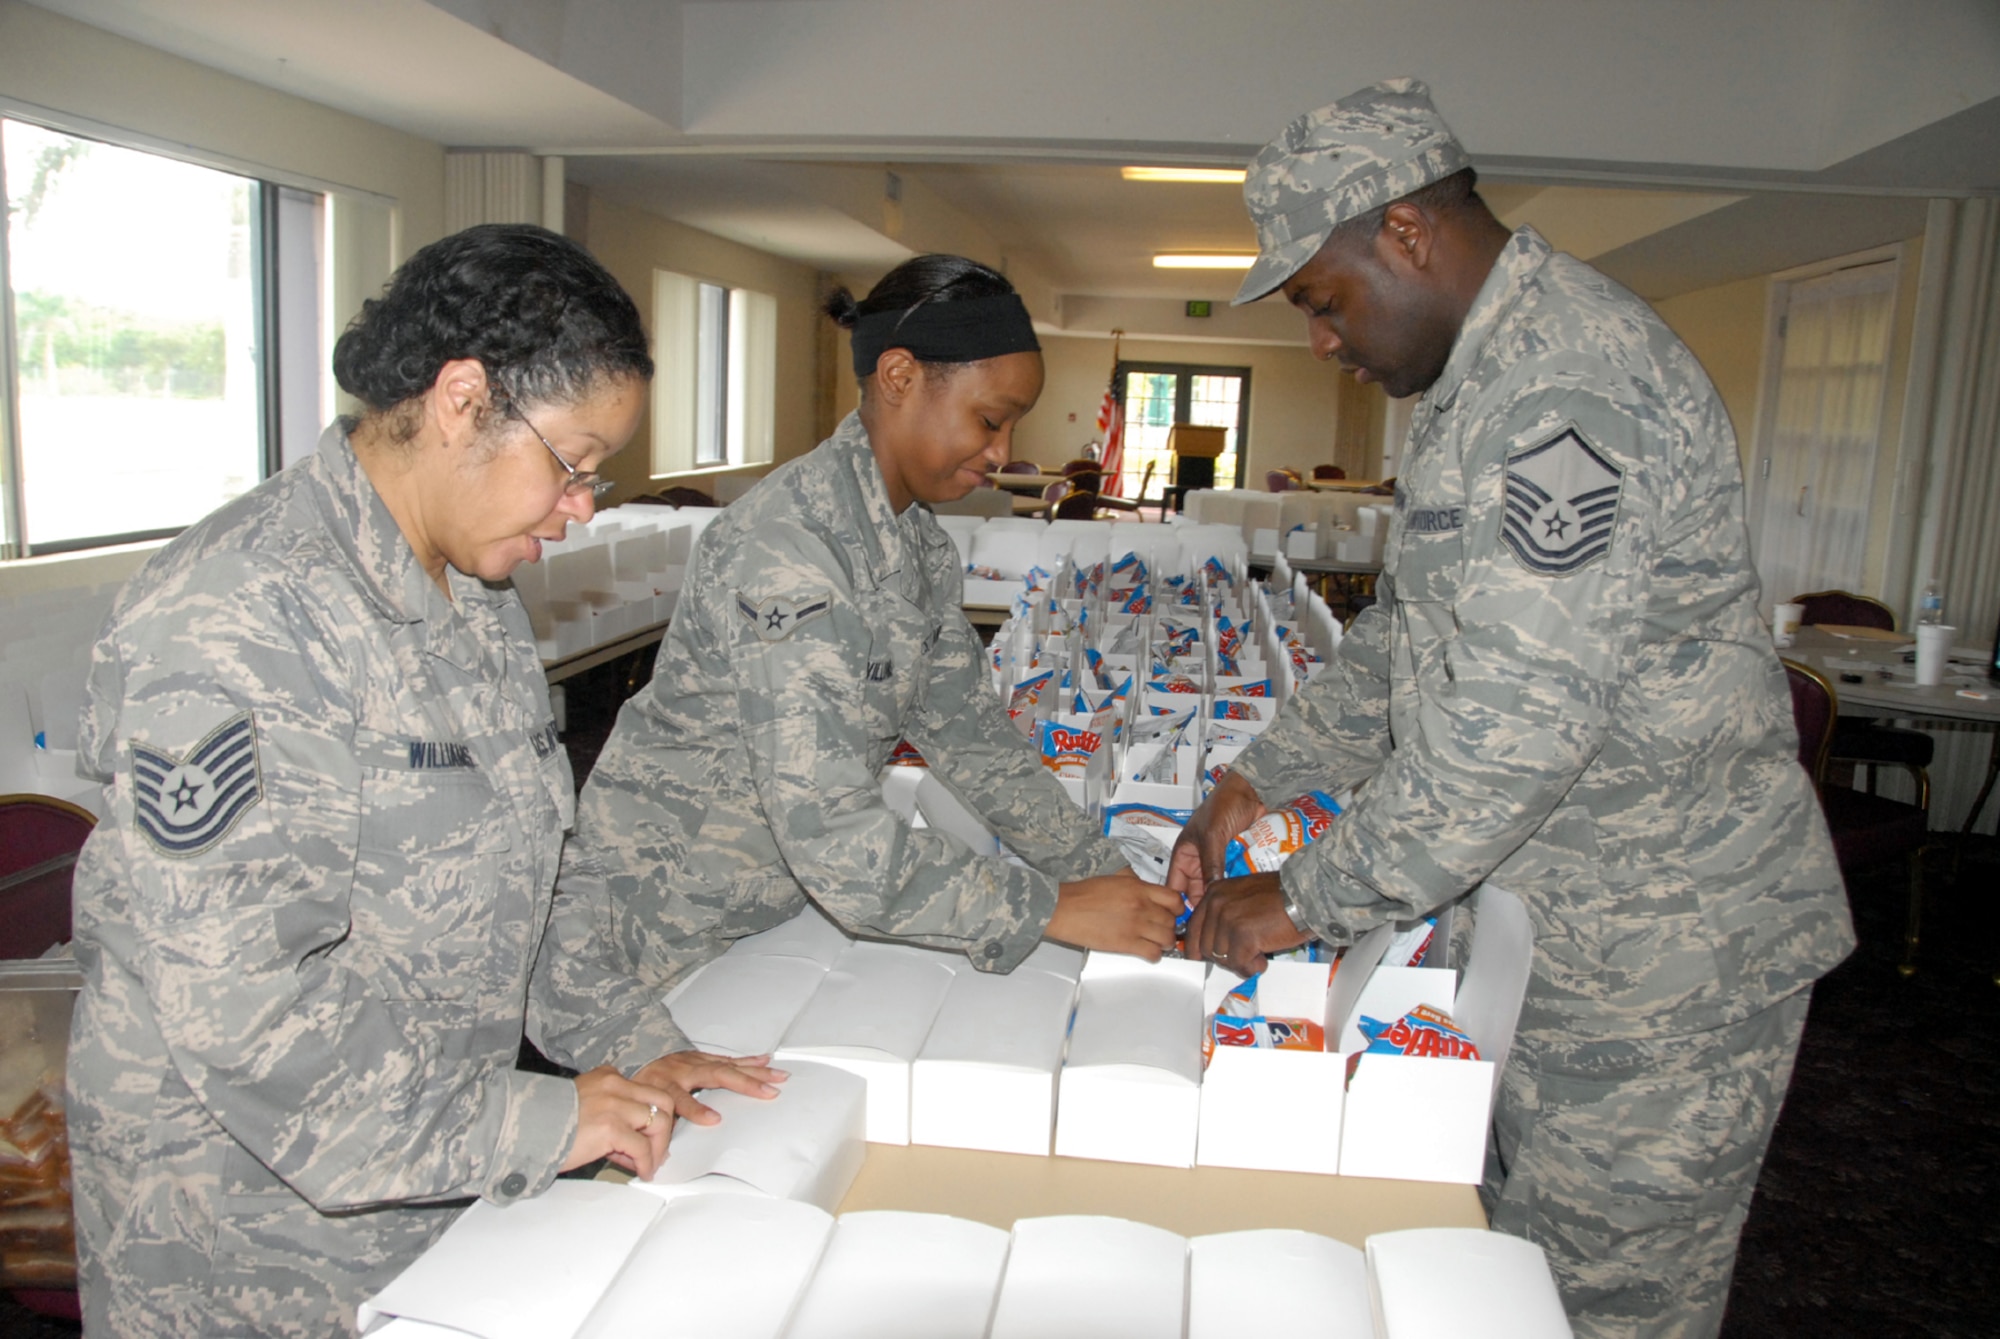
1564, 687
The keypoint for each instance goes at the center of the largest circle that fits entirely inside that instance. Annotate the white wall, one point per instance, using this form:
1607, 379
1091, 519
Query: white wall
632, 244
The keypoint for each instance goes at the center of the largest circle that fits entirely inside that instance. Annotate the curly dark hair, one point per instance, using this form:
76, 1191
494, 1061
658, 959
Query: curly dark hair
547, 322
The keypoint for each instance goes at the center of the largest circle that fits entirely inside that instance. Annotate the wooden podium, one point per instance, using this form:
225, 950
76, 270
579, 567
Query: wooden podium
1195, 448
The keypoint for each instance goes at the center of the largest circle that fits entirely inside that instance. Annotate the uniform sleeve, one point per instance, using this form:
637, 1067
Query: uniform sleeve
810, 736
1521, 651
975, 751
239, 808
586, 1007
1334, 732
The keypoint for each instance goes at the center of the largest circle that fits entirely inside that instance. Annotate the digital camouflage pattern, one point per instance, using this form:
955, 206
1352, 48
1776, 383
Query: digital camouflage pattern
1337, 163
1565, 687
818, 628
1632, 1164
334, 808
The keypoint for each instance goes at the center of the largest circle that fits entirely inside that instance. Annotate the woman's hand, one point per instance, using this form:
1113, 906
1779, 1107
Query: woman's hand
1118, 913
630, 1120
1231, 807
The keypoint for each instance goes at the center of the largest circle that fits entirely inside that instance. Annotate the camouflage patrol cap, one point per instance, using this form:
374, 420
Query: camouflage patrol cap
1338, 163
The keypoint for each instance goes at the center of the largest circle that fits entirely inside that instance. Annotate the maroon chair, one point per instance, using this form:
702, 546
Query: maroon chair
40, 837
1282, 481
1858, 740
1081, 465
678, 496
1020, 467
1079, 504
1867, 829
1329, 472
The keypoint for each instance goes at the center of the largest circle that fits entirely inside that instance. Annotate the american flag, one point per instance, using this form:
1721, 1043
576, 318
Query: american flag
1111, 427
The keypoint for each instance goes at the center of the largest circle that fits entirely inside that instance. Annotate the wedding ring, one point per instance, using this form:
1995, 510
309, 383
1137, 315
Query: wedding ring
652, 1114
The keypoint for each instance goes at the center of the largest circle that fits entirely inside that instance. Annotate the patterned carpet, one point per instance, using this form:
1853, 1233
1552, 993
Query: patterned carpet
1878, 1212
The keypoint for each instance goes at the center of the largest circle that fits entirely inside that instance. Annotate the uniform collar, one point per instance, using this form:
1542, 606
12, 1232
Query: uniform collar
879, 539
387, 567
1524, 254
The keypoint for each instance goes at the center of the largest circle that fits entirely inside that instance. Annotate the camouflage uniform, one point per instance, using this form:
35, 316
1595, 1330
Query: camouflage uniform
1565, 688
334, 809
817, 629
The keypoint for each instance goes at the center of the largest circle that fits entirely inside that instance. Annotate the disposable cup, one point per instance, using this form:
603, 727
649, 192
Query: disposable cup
1785, 620
1933, 648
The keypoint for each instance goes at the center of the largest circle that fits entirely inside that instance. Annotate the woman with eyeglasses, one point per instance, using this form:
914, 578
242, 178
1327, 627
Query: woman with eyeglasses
819, 628
335, 803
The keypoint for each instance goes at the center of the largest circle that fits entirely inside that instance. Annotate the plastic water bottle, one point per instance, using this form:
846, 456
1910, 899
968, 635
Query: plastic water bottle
1930, 609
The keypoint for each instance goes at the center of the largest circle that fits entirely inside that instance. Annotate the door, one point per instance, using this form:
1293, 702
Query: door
1155, 396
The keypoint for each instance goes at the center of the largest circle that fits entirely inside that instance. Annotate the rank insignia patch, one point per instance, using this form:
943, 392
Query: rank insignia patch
1562, 497
775, 620
187, 804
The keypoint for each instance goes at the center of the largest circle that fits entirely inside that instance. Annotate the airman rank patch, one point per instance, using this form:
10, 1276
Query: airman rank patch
187, 804
775, 620
1562, 497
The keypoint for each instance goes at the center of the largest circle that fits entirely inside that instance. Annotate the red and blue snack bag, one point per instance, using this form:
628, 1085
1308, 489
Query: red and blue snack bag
1065, 749
1423, 1031
1266, 844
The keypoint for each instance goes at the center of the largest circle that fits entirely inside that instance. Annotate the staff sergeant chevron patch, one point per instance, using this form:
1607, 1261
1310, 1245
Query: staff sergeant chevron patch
775, 620
1562, 497
187, 804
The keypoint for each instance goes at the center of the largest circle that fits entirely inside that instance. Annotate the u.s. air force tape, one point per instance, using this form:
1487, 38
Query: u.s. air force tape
775, 620
186, 803
1562, 498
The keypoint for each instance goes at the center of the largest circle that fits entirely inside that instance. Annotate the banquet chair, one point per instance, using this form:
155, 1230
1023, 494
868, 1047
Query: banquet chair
1857, 740
1329, 472
1282, 481
1081, 465
40, 837
1079, 504
1020, 467
1867, 829
1114, 502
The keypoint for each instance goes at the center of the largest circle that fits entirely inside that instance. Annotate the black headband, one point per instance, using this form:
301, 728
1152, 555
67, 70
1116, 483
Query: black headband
964, 331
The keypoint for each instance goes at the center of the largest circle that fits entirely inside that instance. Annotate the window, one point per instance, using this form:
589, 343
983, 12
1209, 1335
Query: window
715, 391
1158, 395
144, 331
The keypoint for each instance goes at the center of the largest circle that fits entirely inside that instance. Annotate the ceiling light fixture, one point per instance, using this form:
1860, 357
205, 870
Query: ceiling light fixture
1203, 260
1231, 175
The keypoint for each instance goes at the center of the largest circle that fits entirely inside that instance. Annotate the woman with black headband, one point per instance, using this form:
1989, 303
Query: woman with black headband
819, 627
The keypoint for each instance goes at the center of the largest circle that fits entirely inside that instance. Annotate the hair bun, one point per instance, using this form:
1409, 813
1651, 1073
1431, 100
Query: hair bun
841, 308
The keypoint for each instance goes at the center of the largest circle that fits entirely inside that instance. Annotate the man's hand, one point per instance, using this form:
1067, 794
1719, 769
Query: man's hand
630, 1120
1231, 807
1240, 921
1118, 913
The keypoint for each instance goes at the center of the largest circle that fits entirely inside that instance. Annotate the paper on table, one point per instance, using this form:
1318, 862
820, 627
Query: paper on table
1276, 1283
1085, 1277
529, 1271
987, 1074
1448, 1282
1854, 632
742, 1004
892, 1275
804, 1144
714, 1267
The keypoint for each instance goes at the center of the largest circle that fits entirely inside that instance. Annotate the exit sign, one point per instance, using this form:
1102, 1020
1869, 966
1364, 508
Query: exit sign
1197, 308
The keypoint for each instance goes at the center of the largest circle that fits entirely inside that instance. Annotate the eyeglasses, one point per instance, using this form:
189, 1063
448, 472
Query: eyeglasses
580, 481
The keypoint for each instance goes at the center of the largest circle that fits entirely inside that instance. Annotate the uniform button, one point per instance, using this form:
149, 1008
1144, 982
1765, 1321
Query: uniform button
994, 950
513, 1185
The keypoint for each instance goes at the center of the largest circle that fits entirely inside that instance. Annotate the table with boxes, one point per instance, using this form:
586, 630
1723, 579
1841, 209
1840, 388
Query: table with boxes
920, 1085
